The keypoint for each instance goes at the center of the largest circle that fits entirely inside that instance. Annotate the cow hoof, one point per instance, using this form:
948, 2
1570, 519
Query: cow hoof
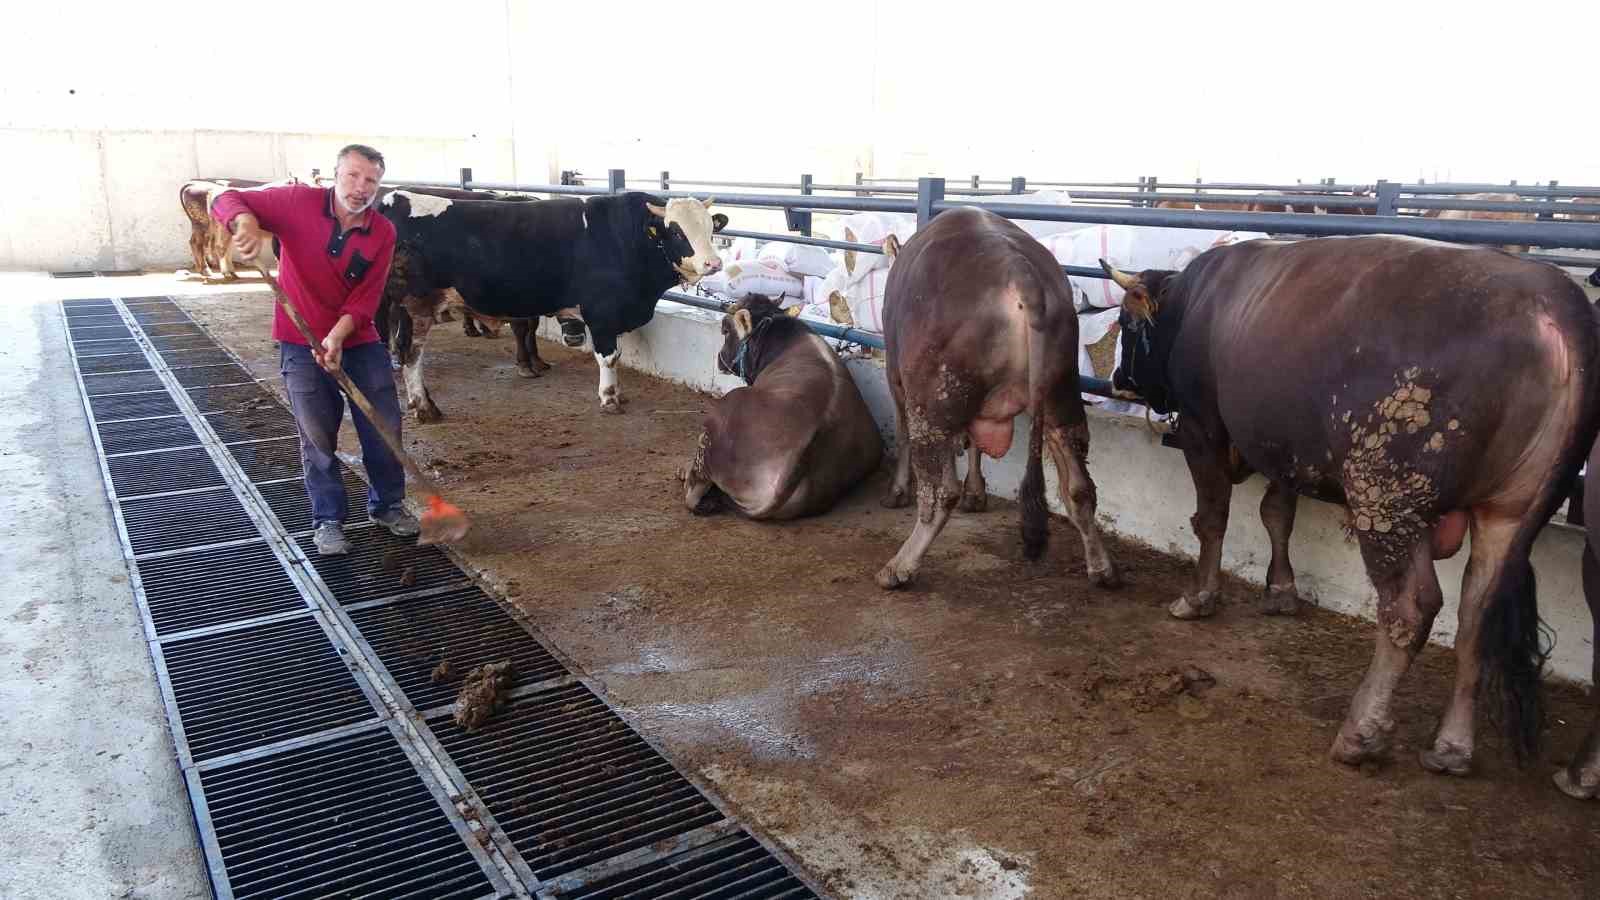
1200, 606
1353, 748
429, 413
540, 365
528, 373
611, 408
1578, 786
974, 502
1107, 578
1280, 602
896, 498
1447, 759
890, 577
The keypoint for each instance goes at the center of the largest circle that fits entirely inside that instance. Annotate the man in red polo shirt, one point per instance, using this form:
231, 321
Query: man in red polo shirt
335, 259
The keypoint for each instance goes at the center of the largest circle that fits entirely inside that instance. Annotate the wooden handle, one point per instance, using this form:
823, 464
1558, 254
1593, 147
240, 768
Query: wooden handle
356, 396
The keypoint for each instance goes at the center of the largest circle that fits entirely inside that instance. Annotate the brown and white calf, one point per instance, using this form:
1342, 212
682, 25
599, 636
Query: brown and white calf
792, 442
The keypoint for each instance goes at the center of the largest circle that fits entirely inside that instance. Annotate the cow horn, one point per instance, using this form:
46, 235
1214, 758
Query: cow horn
708, 201
659, 212
1123, 279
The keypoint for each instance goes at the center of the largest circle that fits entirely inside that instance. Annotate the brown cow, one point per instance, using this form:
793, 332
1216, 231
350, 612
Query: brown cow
979, 326
794, 441
194, 197
1352, 370
1487, 214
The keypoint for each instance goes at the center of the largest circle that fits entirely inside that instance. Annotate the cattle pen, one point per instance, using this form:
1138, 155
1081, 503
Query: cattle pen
743, 713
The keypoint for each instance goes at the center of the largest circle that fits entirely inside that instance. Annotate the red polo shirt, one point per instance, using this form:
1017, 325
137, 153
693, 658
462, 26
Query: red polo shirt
326, 273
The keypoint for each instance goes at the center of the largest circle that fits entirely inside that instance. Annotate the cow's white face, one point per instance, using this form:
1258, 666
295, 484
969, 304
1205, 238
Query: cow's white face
685, 233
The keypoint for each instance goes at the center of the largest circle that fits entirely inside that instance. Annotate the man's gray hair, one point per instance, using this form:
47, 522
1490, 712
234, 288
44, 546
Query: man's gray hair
372, 155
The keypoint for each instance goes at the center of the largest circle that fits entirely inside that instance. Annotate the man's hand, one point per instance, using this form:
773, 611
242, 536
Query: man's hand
246, 235
330, 354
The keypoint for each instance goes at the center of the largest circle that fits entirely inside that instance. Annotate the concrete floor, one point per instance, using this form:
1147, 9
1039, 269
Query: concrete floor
91, 802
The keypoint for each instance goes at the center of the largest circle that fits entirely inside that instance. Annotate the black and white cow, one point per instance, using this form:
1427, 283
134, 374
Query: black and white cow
602, 261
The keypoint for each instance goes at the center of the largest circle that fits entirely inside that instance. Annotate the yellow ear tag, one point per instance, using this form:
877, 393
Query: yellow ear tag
652, 231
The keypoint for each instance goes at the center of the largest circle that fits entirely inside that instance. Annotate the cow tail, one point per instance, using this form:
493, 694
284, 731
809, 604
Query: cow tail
1515, 644
1035, 514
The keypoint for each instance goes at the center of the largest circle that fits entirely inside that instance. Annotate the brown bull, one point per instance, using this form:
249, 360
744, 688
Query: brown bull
794, 441
1429, 389
979, 326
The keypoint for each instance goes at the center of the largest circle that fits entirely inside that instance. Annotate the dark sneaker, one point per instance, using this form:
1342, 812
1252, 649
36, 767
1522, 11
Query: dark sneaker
399, 522
330, 540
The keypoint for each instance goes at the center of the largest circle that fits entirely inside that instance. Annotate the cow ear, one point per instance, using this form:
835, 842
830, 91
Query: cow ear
718, 222
741, 323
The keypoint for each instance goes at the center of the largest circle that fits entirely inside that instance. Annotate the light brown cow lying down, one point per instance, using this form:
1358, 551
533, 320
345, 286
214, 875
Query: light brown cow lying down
796, 439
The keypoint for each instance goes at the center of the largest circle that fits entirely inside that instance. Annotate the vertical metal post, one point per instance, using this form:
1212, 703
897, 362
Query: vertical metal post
858, 184
800, 220
666, 180
1019, 185
929, 192
466, 176
1550, 198
616, 181
1388, 194
568, 177
974, 182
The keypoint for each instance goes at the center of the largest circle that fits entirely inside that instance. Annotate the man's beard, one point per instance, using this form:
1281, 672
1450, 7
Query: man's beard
344, 203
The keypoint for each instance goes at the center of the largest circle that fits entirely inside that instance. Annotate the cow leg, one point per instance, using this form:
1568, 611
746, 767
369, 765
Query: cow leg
469, 326
606, 354
699, 492
529, 365
198, 238
899, 493
417, 397
1277, 514
934, 460
974, 492
1213, 490
1581, 777
1408, 599
1069, 450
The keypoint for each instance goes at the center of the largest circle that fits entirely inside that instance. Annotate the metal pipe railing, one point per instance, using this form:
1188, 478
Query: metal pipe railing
802, 239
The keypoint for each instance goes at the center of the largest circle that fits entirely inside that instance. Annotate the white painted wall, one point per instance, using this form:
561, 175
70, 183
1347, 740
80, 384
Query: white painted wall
105, 109
1145, 494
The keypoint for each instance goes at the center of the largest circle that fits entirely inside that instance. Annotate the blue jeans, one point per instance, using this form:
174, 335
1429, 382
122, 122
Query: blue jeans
318, 406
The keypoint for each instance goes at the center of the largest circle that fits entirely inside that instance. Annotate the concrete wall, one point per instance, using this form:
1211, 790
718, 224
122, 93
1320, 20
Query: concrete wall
1145, 494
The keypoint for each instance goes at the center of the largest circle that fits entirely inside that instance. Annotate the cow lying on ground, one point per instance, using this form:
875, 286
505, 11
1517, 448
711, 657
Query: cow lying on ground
601, 262
980, 326
794, 441
1428, 388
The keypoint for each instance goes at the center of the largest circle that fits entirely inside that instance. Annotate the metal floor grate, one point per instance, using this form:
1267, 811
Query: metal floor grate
95, 385
233, 398
289, 502
373, 830
269, 460
89, 321
132, 406
172, 523
199, 356
204, 376
734, 866
146, 434
253, 686
75, 307
570, 783
254, 425
114, 362
156, 314
182, 342
98, 332
172, 330
374, 568
171, 470
91, 349
462, 627
213, 587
